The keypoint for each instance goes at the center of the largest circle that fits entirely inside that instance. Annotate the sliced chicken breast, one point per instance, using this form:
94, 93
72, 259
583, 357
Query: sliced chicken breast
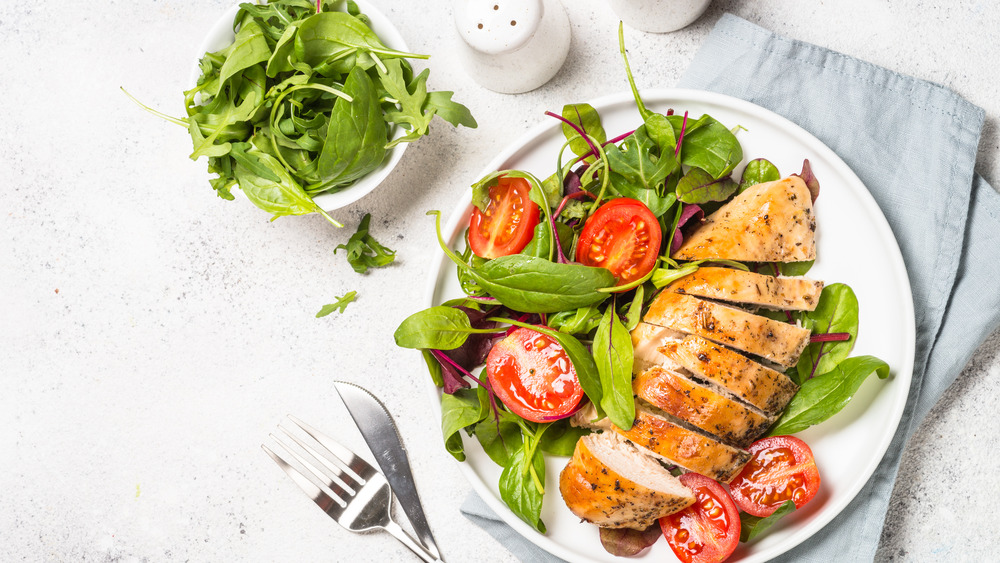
670, 439
738, 286
734, 423
762, 387
778, 342
769, 222
646, 341
609, 483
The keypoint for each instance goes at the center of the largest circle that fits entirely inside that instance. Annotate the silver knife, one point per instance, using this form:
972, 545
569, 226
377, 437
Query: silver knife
379, 432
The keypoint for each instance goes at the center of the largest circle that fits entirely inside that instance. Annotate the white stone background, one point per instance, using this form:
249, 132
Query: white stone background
152, 334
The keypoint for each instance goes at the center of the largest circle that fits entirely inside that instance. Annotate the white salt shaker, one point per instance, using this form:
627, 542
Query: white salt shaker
658, 16
512, 46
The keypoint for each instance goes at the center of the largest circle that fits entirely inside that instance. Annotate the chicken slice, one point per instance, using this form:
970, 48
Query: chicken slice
734, 423
762, 387
608, 482
646, 341
738, 286
778, 342
769, 222
670, 439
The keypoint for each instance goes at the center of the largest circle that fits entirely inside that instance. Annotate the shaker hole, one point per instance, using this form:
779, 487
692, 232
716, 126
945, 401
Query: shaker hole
480, 26
496, 7
513, 23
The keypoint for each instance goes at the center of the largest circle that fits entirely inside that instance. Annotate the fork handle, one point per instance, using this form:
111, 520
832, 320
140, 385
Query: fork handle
393, 528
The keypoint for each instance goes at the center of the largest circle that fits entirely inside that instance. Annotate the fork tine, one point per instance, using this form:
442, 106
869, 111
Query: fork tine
336, 467
329, 505
323, 478
355, 464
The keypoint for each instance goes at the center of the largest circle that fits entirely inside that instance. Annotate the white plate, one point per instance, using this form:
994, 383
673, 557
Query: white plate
221, 35
855, 246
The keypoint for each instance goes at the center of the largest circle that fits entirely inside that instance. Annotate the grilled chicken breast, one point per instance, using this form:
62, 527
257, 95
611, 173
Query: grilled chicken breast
778, 342
762, 387
646, 341
732, 422
769, 222
609, 483
668, 438
738, 286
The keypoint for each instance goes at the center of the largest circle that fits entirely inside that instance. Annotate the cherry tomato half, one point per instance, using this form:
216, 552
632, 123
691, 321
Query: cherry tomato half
708, 530
622, 236
508, 222
533, 376
782, 468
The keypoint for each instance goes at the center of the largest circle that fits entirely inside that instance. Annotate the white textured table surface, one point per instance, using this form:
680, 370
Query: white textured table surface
152, 334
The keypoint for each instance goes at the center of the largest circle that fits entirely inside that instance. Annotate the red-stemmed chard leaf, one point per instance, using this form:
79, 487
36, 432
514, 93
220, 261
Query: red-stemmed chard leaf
688, 212
810, 179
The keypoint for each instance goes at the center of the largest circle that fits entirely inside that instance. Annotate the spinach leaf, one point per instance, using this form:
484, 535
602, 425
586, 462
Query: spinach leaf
521, 485
758, 171
498, 439
613, 355
535, 285
753, 526
709, 145
363, 251
837, 311
795, 268
459, 410
356, 135
561, 438
587, 119
663, 277
282, 197
698, 186
825, 395
340, 305
436, 328
540, 242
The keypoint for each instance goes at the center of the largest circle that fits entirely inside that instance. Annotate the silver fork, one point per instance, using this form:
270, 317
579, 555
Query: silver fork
361, 499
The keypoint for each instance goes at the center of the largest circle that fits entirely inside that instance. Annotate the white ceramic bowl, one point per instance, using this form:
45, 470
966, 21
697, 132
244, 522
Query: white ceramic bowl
221, 35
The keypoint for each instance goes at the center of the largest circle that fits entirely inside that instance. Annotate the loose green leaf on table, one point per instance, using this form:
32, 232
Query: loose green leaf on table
340, 305
364, 252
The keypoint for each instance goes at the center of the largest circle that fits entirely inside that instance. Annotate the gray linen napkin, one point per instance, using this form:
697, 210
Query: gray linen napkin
913, 144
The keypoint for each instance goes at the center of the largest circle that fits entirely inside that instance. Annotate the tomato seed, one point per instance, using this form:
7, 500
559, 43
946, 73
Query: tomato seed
682, 536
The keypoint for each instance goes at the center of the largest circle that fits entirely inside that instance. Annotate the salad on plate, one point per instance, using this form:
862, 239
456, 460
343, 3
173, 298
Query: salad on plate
646, 312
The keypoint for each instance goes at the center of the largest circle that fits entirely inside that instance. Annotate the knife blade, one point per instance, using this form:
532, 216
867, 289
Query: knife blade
380, 433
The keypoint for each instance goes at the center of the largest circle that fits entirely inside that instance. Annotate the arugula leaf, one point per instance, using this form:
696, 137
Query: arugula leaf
752, 526
340, 305
825, 395
613, 355
443, 106
363, 251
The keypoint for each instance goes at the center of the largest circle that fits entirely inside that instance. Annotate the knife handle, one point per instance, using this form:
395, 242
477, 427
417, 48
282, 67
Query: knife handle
393, 528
